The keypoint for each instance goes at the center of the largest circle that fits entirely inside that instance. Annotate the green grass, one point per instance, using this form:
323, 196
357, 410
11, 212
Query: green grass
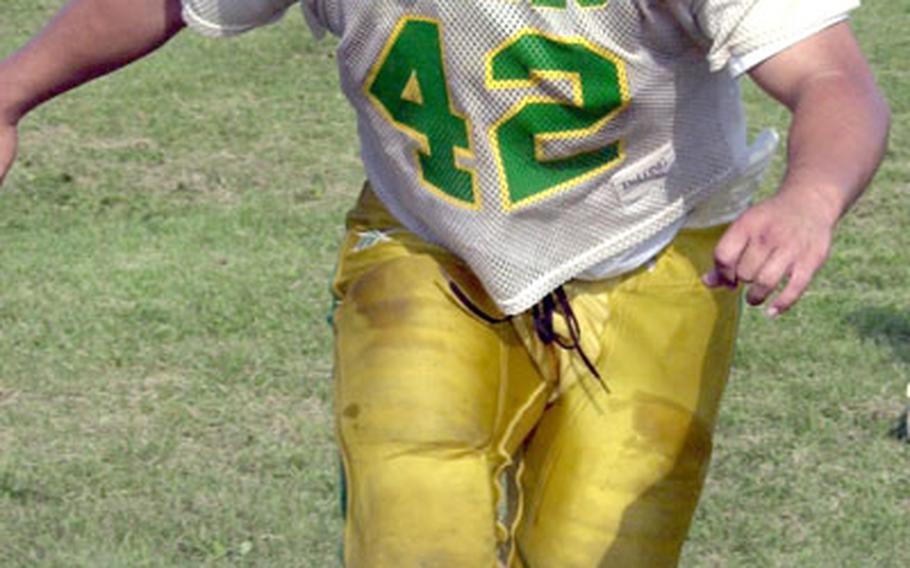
165, 242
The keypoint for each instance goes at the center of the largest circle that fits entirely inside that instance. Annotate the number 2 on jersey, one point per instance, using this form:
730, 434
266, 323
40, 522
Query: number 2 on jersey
534, 142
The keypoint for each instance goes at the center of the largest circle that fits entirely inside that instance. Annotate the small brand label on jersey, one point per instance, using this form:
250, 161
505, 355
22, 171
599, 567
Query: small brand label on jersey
633, 182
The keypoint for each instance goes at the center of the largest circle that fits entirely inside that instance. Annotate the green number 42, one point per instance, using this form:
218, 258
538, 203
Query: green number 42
409, 86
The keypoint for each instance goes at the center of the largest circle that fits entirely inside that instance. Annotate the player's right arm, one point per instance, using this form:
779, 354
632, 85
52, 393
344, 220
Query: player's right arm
84, 40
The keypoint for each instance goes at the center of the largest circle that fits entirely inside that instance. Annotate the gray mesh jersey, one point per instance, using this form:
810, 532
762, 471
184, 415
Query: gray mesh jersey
537, 139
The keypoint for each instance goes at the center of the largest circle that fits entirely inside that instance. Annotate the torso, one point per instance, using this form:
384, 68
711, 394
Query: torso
536, 138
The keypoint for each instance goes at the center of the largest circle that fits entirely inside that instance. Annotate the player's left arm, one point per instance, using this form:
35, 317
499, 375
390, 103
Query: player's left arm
838, 135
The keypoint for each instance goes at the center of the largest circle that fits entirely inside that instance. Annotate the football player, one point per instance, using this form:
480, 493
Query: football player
538, 293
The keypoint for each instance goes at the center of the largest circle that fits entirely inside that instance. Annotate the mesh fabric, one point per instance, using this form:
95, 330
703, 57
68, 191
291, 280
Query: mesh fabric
540, 139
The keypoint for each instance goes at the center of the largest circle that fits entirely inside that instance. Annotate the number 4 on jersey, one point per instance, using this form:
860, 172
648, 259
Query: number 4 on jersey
409, 83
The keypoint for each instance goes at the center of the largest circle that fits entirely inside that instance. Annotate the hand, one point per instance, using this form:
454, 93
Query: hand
9, 142
786, 238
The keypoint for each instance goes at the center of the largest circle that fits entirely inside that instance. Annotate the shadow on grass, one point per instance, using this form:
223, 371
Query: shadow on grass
18, 492
887, 325
890, 326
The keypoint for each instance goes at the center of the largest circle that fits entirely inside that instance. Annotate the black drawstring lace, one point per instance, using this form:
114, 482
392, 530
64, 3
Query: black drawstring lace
555, 302
542, 312
472, 307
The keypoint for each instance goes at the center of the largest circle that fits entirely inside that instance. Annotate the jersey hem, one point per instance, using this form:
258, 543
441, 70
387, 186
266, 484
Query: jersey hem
569, 271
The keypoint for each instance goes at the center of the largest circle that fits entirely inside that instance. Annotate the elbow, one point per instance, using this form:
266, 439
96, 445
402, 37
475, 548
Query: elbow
881, 118
873, 114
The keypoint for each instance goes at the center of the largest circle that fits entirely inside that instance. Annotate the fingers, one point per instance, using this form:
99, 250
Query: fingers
796, 286
737, 258
772, 272
801, 275
765, 272
799, 267
727, 255
765, 259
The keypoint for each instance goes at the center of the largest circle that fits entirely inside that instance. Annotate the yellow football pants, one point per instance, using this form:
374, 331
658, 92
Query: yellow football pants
468, 444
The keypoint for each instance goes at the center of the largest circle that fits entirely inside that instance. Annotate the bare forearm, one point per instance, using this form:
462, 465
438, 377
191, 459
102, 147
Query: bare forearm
86, 39
837, 140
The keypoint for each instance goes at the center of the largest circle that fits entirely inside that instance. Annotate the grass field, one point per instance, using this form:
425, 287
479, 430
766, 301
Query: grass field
165, 242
